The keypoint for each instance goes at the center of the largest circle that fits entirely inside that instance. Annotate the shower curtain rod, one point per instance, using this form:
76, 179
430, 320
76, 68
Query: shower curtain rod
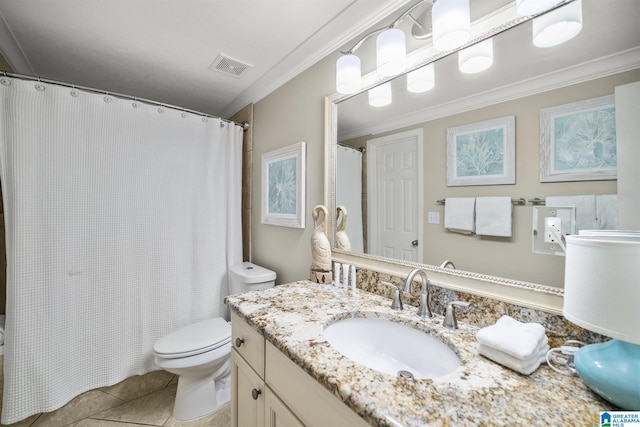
244, 125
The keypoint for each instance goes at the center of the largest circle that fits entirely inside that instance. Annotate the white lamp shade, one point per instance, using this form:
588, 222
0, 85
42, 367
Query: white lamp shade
533, 7
476, 58
421, 80
380, 96
558, 26
391, 52
602, 284
348, 74
451, 24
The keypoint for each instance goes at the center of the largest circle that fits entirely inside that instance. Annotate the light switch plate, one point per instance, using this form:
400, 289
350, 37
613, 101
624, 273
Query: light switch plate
547, 217
433, 217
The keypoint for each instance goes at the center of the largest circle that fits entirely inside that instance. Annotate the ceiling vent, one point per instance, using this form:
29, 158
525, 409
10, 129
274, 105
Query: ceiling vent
229, 66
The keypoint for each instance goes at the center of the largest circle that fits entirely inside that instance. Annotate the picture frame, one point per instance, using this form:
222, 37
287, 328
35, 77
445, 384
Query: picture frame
578, 141
283, 186
482, 153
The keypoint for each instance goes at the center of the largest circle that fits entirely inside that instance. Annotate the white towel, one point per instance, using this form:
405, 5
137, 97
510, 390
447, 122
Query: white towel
585, 210
525, 367
493, 216
459, 214
607, 211
517, 339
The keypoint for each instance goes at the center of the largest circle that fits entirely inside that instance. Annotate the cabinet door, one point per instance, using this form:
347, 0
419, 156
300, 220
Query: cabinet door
247, 408
276, 413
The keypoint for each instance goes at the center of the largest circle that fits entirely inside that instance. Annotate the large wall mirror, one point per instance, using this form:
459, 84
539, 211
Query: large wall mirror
522, 81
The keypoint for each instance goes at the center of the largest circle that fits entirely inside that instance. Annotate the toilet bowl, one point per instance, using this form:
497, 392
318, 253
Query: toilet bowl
200, 353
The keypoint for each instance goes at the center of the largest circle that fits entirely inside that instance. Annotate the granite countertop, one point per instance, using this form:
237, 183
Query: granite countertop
479, 392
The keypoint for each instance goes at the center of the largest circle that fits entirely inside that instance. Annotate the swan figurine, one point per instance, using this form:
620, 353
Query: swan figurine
342, 239
320, 246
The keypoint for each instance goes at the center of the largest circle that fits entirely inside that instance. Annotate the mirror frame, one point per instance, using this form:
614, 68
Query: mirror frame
526, 294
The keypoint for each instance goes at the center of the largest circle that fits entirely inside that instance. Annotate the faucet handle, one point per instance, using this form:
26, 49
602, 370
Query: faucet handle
450, 320
396, 304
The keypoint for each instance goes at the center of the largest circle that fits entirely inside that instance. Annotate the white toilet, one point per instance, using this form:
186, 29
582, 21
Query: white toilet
200, 353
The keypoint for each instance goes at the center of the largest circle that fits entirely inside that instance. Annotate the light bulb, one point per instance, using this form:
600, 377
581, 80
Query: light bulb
476, 58
421, 80
451, 23
391, 52
348, 74
558, 26
380, 96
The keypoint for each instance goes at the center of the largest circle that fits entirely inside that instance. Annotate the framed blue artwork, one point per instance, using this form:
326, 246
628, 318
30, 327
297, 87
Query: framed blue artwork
482, 153
283, 186
578, 141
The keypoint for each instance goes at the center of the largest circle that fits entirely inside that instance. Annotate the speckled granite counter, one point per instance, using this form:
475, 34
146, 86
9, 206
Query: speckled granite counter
479, 392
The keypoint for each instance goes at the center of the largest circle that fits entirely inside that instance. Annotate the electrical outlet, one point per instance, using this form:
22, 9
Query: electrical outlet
552, 229
550, 224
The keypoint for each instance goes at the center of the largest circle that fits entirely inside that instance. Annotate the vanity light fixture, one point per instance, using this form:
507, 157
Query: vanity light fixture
421, 80
348, 74
391, 52
533, 7
601, 292
476, 58
558, 26
380, 96
451, 21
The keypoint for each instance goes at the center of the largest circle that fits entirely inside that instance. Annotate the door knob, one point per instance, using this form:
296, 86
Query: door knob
255, 393
414, 243
239, 342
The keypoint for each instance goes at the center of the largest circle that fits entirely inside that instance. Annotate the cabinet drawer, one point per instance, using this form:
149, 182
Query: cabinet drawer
248, 343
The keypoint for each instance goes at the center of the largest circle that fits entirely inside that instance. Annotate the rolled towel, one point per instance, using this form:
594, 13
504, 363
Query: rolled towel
525, 367
517, 339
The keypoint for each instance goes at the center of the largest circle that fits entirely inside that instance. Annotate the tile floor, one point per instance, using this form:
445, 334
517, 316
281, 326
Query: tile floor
145, 400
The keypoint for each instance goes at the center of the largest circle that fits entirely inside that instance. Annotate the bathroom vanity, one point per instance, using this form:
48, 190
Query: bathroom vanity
285, 373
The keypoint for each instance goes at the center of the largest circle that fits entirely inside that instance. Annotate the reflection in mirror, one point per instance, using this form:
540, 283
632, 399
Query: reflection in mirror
522, 80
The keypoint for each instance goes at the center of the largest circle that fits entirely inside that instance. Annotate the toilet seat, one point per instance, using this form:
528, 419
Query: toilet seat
194, 339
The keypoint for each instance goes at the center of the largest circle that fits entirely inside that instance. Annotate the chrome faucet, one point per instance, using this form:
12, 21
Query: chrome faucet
424, 309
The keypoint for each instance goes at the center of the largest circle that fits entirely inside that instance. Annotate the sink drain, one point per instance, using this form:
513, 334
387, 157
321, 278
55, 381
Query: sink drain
404, 374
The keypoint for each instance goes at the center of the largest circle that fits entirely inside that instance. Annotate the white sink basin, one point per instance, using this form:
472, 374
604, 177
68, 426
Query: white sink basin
391, 347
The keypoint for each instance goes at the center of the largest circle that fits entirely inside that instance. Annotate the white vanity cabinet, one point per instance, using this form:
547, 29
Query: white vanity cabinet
270, 390
254, 404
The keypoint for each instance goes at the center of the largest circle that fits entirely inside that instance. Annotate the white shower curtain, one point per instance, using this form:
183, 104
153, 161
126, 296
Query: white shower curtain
122, 219
349, 193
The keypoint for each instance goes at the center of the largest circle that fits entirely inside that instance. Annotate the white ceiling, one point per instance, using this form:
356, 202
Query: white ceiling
162, 49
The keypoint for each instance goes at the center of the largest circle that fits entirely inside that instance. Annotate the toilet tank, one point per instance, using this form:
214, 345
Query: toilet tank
247, 277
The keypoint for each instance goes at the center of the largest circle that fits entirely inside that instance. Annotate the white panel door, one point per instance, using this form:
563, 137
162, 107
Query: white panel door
394, 181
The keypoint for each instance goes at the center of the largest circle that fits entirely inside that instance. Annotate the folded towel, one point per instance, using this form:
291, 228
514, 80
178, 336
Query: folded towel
607, 211
493, 216
524, 367
459, 214
517, 339
585, 210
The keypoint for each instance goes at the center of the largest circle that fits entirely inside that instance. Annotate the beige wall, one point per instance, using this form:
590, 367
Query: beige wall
294, 112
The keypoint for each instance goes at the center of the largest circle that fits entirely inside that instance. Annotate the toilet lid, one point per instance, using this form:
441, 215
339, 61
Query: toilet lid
194, 339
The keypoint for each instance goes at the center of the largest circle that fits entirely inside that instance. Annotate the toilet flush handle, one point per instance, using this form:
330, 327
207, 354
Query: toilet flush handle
239, 342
